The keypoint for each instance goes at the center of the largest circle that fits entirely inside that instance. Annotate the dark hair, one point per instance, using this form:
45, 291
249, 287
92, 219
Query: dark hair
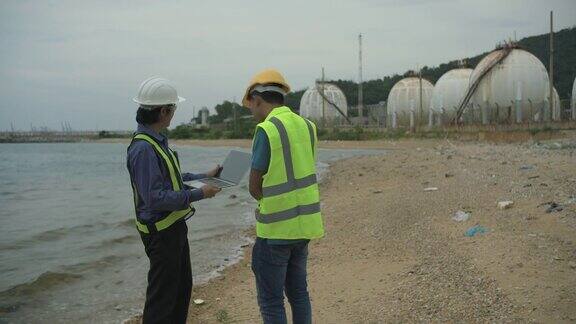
270, 97
148, 116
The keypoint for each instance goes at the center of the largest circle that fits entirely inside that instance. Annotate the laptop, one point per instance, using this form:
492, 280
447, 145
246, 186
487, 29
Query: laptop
233, 170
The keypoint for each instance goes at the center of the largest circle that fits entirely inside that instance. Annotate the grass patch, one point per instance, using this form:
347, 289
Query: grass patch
223, 317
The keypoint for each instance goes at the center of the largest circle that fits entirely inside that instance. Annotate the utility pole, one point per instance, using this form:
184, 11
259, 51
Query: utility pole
551, 69
234, 112
421, 111
360, 93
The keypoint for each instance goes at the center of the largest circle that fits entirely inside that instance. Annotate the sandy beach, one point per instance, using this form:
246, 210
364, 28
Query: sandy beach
393, 253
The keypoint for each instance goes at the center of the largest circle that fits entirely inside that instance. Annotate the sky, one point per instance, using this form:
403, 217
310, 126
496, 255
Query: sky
82, 62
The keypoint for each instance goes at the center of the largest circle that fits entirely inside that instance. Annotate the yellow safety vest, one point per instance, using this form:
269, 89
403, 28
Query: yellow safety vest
173, 165
290, 204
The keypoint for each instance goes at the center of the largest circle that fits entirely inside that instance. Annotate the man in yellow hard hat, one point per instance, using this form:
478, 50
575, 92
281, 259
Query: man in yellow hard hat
283, 181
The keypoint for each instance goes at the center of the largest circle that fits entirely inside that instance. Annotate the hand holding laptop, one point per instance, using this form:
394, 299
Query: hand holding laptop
214, 172
210, 191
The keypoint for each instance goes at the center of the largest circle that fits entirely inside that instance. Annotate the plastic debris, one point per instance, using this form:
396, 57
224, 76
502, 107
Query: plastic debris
461, 216
553, 206
377, 191
199, 301
505, 204
527, 167
431, 189
478, 229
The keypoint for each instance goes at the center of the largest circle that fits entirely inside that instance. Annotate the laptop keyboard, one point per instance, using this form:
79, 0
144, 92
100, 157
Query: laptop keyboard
217, 182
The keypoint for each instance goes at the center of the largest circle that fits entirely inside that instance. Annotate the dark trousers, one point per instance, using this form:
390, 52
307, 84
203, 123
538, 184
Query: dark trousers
170, 275
281, 269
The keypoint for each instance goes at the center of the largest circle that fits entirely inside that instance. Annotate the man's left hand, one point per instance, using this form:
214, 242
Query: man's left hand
213, 172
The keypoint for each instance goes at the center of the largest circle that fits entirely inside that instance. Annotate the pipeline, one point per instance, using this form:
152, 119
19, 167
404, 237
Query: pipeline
506, 49
335, 106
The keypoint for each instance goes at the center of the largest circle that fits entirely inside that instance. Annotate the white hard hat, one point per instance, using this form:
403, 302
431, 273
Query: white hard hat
156, 91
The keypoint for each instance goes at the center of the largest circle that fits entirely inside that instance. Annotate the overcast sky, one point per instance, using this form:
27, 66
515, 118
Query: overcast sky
82, 61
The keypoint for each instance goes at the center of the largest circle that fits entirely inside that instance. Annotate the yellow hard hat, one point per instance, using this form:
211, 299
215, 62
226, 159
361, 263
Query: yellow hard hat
266, 77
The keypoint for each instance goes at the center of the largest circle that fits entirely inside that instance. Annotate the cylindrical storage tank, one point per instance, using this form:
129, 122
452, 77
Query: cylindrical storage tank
204, 114
449, 91
405, 96
315, 107
518, 82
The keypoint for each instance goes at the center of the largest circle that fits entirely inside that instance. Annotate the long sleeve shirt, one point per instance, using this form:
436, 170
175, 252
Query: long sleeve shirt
156, 198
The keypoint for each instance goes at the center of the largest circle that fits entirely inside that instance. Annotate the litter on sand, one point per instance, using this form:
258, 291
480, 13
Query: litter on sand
461, 216
198, 301
478, 229
505, 204
431, 189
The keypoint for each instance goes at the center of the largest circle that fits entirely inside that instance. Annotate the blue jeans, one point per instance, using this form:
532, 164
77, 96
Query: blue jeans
281, 269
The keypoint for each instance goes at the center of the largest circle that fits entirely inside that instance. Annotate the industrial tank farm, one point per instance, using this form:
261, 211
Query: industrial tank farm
315, 107
448, 92
405, 97
517, 86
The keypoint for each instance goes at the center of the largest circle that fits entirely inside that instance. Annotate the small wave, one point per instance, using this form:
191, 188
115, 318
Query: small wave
118, 240
126, 223
57, 234
94, 265
45, 281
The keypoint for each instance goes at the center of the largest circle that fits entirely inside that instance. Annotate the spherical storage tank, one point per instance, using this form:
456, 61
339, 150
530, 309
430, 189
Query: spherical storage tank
574, 99
557, 109
449, 91
405, 96
520, 76
313, 106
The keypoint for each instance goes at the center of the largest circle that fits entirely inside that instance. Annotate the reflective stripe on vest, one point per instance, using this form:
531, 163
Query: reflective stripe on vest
173, 166
290, 206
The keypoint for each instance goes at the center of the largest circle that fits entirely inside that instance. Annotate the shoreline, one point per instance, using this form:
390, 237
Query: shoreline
380, 144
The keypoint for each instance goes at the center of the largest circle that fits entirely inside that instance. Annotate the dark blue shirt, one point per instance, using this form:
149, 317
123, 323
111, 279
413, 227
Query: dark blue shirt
152, 180
261, 162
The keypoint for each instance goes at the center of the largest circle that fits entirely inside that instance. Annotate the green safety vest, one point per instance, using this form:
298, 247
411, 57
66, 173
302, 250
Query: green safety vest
290, 204
173, 165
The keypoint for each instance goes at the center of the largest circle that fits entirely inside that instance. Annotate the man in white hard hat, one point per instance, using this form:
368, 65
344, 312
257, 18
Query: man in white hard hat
163, 203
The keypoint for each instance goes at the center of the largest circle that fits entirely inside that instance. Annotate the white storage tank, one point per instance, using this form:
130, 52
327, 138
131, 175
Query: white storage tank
204, 114
573, 105
449, 91
519, 79
314, 107
557, 106
405, 96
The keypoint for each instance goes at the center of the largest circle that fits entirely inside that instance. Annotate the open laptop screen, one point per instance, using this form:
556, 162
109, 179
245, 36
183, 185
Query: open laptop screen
235, 166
